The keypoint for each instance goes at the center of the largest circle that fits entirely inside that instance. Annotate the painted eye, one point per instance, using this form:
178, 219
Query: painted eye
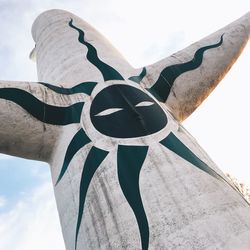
144, 104
109, 111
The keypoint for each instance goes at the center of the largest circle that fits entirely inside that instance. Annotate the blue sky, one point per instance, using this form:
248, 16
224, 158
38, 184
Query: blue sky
144, 31
18, 177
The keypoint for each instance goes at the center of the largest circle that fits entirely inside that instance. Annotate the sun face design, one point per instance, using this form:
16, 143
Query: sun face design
123, 111
119, 113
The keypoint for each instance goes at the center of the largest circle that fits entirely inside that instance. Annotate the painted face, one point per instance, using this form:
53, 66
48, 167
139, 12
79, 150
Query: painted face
123, 111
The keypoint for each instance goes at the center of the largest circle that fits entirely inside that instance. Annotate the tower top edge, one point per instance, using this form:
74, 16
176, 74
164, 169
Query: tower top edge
47, 18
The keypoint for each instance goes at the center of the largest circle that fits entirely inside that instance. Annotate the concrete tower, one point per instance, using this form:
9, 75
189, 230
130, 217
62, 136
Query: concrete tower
126, 174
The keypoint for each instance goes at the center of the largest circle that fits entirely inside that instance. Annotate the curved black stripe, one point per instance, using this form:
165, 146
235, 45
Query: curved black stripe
84, 87
129, 161
174, 144
162, 86
79, 140
107, 71
93, 161
138, 78
43, 112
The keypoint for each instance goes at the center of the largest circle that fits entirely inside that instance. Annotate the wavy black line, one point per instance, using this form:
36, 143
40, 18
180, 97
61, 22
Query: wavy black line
162, 86
43, 112
107, 71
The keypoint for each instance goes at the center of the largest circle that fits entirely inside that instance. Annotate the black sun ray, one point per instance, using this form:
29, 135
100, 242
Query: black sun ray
79, 140
162, 86
129, 162
175, 145
46, 113
138, 78
107, 71
94, 159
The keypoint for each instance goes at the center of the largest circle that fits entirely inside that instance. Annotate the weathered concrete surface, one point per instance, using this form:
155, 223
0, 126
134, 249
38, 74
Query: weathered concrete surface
21, 134
192, 88
186, 207
67, 65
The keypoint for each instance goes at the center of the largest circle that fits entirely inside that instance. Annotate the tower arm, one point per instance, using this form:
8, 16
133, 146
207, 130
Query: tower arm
31, 115
184, 80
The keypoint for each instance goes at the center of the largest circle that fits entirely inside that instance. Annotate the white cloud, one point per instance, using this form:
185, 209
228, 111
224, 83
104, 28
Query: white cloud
32, 223
2, 201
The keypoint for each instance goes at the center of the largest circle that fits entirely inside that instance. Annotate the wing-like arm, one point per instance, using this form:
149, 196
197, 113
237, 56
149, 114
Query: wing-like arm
186, 78
32, 115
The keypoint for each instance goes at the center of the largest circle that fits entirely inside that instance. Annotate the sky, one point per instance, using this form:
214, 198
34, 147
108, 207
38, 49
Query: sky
145, 32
